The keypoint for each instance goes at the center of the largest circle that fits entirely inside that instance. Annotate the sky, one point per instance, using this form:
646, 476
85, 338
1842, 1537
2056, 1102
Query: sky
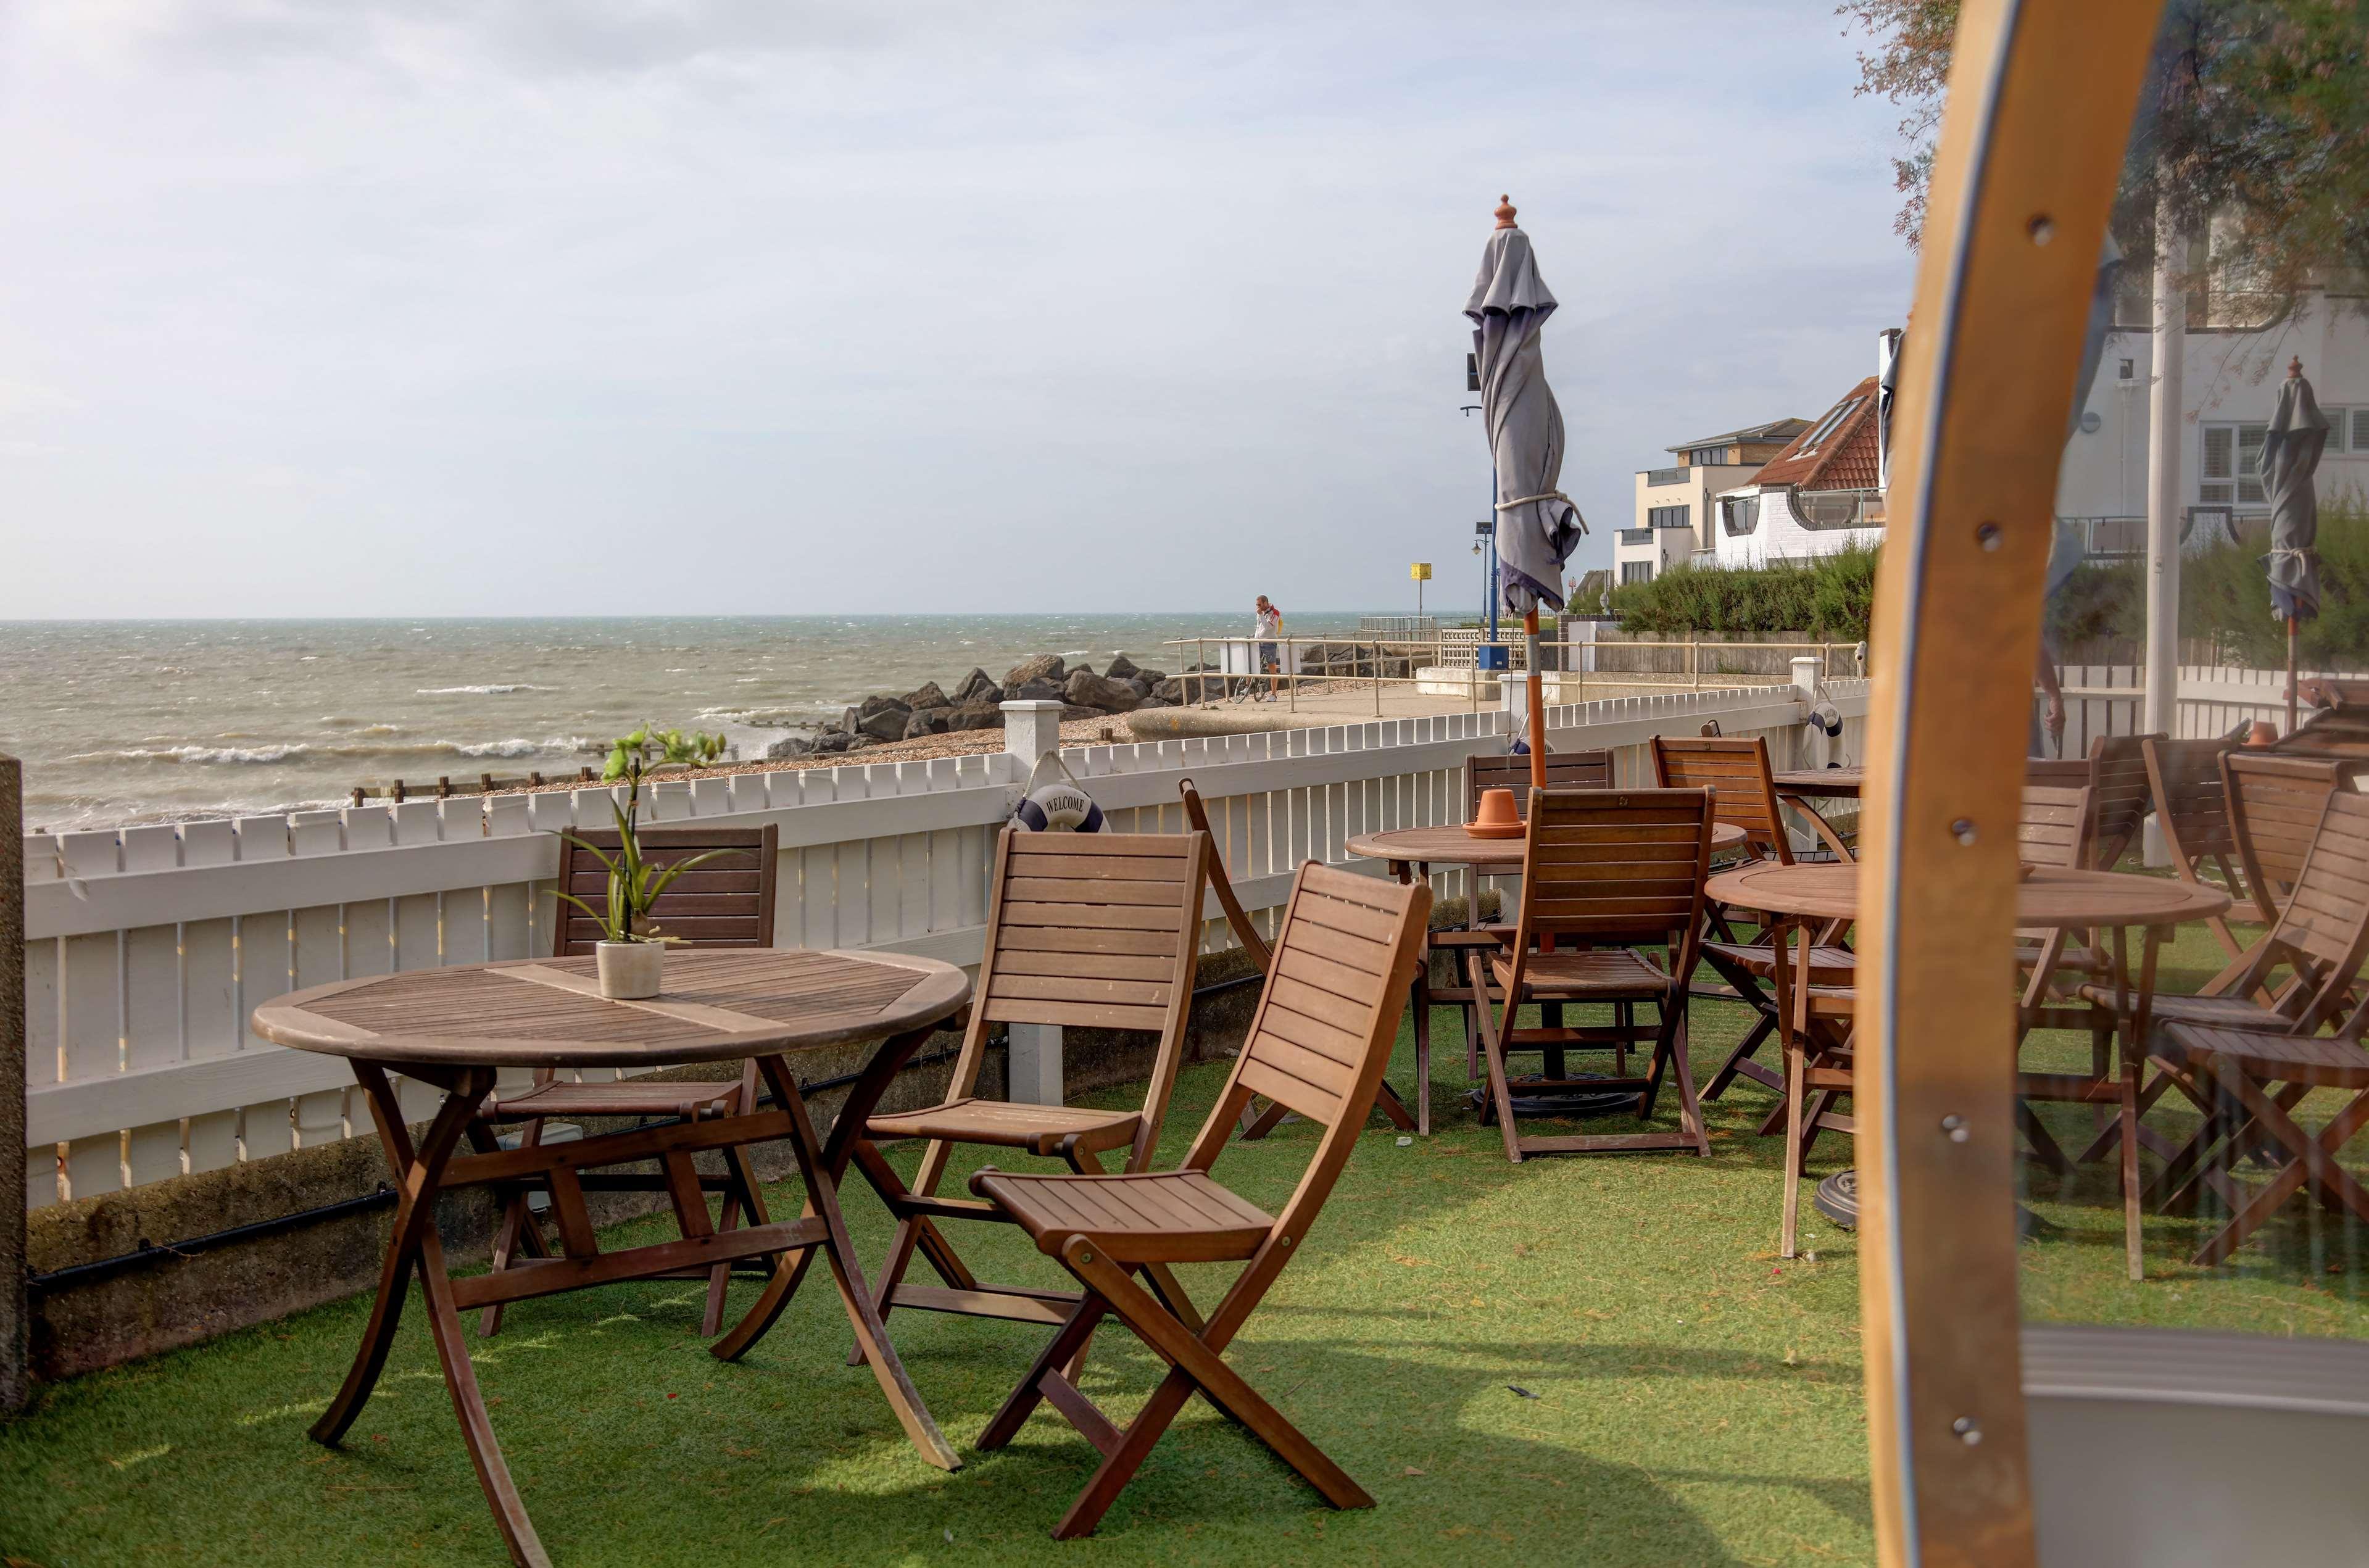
471, 307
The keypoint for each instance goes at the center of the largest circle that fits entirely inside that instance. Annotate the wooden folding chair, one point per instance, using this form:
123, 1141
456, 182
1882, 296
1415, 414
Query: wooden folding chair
727, 902
2191, 810
1739, 775
2320, 938
2274, 805
2053, 831
1604, 872
2120, 797
1470, 950
1347, 948
1818, 1016
1095, 930
1258, 1121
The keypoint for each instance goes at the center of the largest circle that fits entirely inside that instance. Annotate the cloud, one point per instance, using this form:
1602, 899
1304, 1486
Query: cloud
1079, 306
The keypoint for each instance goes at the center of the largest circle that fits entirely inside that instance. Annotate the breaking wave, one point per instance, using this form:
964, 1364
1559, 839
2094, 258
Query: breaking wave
501, 689
236, 756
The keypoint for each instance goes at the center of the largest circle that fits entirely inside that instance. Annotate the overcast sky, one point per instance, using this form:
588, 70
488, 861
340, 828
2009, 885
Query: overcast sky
574, 307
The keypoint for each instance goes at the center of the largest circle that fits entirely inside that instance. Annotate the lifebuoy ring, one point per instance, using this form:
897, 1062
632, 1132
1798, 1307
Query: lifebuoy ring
1060, 807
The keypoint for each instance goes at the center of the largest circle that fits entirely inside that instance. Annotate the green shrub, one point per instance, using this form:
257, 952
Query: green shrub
1829, 597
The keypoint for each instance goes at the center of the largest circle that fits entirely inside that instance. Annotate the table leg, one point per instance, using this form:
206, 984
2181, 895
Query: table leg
820, 1165
2132, 1043
413, 1242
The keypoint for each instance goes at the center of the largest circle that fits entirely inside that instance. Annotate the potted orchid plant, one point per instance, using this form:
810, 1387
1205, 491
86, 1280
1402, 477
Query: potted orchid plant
631, 950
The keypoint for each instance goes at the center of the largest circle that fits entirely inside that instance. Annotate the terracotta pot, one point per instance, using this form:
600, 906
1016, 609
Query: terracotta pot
1497, 817
630, 971
2263, 733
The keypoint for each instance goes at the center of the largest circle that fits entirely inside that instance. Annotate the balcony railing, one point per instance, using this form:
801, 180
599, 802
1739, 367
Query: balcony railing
1635, 536
1667, 477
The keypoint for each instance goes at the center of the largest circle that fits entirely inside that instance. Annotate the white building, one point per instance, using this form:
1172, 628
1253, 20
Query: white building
2230, 375
1673, 520
1814, 498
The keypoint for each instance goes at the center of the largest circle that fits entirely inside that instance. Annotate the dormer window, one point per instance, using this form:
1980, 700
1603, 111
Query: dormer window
1841, 412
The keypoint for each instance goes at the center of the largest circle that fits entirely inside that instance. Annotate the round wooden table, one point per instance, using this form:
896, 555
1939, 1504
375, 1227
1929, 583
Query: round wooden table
1406, 848
1798, 786
1801, 896
452, 1027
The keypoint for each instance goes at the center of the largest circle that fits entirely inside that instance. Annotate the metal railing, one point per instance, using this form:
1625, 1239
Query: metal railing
1666, 475
1335, 673
1400, 628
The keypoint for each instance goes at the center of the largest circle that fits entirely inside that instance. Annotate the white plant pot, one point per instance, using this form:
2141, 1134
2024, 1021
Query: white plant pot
630, 971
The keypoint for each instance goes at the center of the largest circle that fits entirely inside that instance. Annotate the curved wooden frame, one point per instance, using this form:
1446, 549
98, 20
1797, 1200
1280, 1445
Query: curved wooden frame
2041, 100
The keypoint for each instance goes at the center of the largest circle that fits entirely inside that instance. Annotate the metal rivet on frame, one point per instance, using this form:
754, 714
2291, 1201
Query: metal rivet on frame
1969, 1431
1956, 1127
1963, 829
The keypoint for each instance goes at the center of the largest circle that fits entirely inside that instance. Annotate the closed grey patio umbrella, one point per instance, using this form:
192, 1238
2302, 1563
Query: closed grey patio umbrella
1538, 527
2291, 449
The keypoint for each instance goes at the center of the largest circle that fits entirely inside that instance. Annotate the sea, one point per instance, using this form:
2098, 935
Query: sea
123, 722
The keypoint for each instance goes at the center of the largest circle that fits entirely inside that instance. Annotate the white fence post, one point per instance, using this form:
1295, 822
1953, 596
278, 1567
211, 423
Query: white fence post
1807, 673
1032, 1066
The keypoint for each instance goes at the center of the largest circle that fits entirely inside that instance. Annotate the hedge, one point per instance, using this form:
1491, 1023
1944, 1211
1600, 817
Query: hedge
2222, 596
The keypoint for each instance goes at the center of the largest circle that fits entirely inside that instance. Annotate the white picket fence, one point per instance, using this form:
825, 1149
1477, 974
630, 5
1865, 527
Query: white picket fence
2109, 699
147, 948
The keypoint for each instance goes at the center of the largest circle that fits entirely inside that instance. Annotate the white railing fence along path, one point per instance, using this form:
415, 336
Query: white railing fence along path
146, 948
2108, 699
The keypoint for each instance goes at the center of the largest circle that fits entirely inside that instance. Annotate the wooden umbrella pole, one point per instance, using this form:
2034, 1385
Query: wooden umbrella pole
2290, 675
1538, 702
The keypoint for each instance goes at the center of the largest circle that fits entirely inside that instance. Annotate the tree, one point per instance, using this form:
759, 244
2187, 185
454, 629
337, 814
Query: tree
2253, 128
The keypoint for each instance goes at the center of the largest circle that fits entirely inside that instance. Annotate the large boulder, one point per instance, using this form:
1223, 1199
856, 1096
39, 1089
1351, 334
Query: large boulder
1154, 676
974, 715
871, 705
1153, 702
1087, 690
788, 746
885, 724
1169, 691
977, 686
1034, 691
833, 741
1120, 668
927, 721
926, 695
1044, 666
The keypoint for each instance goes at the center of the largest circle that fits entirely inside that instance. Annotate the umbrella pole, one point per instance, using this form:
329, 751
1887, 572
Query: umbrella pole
1538, 703
2291, 674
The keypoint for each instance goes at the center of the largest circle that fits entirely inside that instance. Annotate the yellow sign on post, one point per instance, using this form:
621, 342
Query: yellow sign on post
1421, 572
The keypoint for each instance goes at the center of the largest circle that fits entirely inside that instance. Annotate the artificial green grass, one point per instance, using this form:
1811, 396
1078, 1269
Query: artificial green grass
1684, 1396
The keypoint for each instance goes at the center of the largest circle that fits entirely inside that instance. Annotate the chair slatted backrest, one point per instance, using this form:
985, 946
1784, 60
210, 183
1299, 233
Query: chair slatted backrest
2274, 805
2326, 916
1096, 931
1737, 773
1343, 958
2192, 799
2119, 795
1565, 769
2054, 829
1613, 867
729, 902
1222, 885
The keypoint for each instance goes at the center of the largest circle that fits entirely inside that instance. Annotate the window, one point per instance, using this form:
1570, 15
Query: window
2128, 371
2231, 471
1707, 455
1827, 425
1636, 571
2348, 430
1739, 515
2360, 431
1670, 517
1829, 508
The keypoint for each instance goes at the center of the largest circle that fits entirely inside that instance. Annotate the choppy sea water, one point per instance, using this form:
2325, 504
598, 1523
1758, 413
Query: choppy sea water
144, 721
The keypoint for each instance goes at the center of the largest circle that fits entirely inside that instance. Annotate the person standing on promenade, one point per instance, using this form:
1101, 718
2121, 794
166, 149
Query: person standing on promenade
1270, 629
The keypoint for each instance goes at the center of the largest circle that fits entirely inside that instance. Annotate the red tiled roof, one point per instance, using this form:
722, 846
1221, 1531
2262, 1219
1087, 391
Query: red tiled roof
1844, 457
